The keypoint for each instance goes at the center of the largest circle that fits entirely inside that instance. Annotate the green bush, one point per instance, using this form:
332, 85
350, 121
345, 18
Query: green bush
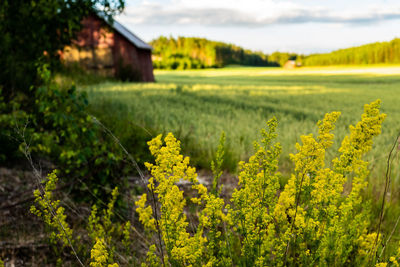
319, 218
58, 128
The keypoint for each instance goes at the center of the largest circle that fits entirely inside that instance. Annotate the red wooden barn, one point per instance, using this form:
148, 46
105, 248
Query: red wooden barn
110, 49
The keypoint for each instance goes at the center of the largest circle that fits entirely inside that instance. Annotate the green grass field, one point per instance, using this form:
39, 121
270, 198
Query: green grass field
198, 105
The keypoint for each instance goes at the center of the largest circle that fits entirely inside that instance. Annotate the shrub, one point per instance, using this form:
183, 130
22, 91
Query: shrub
319, 218
58, 128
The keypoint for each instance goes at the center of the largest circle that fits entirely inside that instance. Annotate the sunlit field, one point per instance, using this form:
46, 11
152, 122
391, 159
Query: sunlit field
198, 105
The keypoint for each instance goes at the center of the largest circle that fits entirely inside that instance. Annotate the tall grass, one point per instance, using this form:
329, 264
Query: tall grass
198, 105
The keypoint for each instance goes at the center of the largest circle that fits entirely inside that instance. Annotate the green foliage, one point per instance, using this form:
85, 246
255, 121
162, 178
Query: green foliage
12, 119
73, 140
216, 166
198, 53
315, 220
126, 241
375, 53
57, 127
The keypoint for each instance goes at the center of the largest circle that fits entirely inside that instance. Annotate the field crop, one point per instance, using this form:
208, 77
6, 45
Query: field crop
196, 106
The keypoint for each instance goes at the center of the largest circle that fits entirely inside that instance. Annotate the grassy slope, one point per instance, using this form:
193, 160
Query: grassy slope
197, 105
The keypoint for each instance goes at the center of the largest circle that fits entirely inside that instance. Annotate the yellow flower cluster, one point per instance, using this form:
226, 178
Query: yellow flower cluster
170, 167
359, 141
151, 259
206, 246
51, 211
102, 228
366, 243
315, 209
309, 173
255, 199
99, 255
126, 233
145, 214
212, 219
317, 219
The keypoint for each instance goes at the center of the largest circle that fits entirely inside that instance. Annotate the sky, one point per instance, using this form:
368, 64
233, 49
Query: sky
300, 26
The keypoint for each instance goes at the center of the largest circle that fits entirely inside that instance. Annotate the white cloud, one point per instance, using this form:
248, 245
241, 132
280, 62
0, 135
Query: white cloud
256, 13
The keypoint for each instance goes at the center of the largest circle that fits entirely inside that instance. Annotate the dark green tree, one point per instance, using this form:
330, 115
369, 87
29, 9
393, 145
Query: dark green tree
32, 32
195, 53
54, 119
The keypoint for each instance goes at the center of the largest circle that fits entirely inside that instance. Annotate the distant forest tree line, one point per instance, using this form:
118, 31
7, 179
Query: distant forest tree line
375, 53
197, 53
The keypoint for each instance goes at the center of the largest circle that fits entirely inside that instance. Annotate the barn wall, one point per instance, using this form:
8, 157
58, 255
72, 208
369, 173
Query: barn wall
128, 56
100, 49
92, 49
146, 65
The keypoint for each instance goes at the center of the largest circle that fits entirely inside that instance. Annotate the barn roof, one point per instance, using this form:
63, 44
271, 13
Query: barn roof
126, 33
130, 36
